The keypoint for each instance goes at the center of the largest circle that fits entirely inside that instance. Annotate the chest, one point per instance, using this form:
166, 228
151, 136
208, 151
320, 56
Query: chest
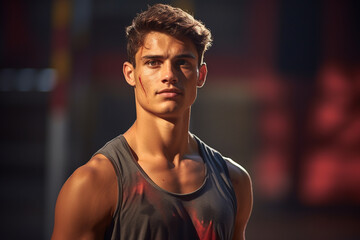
185, 177
204, 214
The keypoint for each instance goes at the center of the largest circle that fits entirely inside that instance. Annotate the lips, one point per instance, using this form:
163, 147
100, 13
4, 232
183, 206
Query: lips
169, 92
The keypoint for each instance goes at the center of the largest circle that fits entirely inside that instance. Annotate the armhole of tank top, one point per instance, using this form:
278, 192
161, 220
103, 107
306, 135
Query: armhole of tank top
205, 149
226, 168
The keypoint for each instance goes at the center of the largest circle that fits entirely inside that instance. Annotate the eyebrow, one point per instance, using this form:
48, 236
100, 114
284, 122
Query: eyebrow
185, 55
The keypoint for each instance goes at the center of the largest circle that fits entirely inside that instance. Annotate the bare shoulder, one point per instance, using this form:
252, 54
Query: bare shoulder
241, 182
238, 174
96, 176
86, 201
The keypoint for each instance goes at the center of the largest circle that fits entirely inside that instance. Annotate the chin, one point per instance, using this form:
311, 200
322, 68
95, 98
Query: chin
172, 112
168, 110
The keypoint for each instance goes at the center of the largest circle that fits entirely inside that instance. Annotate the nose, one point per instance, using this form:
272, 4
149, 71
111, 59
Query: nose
169, 73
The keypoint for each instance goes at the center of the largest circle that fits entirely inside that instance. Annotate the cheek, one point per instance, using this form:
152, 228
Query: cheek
190, 73
191, 87
142, 86
192, 78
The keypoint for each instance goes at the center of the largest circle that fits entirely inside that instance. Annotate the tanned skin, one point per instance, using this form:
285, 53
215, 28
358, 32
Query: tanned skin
165, 81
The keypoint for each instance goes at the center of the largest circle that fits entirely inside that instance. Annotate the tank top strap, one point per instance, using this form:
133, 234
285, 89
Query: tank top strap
218, 169
117, 151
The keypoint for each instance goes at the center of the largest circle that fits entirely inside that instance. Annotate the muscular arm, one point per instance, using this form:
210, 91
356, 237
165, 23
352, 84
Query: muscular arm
243, 189
86, 202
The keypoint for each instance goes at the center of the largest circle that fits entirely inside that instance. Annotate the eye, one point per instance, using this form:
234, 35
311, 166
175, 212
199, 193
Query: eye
183, 63
152, 63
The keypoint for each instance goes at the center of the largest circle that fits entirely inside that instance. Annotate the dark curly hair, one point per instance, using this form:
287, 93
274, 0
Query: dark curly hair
170, 20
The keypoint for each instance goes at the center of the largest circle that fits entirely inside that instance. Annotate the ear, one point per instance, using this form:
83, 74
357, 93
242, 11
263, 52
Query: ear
129, 74
202, 75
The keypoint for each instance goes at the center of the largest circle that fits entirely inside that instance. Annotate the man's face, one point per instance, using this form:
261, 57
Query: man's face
166, 76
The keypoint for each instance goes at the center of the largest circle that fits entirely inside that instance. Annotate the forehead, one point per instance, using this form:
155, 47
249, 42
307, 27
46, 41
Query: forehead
157, 43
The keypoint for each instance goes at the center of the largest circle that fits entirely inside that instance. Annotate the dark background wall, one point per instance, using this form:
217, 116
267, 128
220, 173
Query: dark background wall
282, 99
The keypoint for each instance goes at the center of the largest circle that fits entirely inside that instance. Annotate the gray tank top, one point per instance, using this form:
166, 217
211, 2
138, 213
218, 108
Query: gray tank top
146, 211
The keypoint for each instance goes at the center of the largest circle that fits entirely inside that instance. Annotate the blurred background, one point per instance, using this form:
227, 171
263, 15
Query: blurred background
281, 98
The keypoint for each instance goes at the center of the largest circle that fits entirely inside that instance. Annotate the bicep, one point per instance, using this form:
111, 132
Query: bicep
78, 211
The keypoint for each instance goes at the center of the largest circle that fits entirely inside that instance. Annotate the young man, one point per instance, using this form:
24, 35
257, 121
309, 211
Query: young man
157, 180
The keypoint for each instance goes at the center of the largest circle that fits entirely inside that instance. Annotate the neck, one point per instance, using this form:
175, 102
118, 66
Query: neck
159, 137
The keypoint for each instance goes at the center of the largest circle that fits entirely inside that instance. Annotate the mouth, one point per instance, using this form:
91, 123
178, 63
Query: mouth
170, 92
